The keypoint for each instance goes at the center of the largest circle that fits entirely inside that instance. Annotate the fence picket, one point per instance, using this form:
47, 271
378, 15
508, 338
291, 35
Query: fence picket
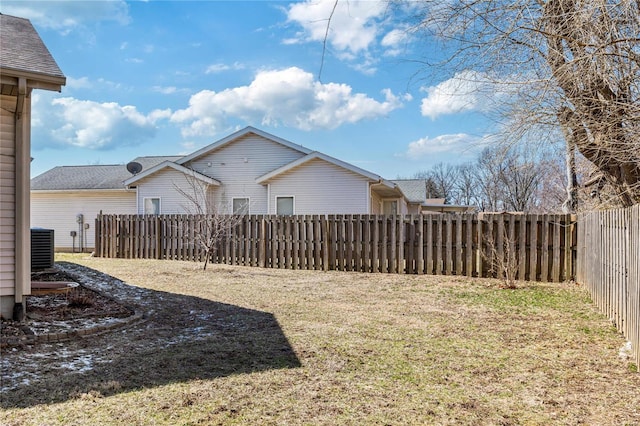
424, 244
608, 264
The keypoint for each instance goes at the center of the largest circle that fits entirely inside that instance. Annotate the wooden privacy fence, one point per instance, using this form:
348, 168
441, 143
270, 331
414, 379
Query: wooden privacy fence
608, 265
541, 246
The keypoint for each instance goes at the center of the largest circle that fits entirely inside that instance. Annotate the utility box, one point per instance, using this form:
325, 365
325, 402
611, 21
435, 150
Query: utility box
42, 251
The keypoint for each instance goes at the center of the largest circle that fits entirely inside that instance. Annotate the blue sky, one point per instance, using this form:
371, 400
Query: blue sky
169, 77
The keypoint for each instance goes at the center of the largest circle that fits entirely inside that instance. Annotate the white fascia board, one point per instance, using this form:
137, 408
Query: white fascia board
62, 191
240, 133
174, 166
315, 154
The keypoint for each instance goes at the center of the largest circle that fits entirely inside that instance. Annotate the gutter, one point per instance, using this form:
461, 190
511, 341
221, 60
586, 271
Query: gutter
58, 191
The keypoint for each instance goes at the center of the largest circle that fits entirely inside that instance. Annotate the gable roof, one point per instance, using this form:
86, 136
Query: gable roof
414, 189
95, 177
23, 54
237, 135
318, 155
174, 166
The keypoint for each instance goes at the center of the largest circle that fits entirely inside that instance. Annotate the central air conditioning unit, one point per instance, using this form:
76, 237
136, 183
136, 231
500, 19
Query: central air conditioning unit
41, 249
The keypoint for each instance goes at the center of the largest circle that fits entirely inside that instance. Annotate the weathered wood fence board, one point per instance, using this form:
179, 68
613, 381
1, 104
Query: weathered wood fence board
432, 244
608, 264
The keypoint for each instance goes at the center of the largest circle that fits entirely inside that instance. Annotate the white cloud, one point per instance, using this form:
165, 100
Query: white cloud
78, 83
458, 143
290, 97
168, 90
94, 125
359, 31
218, 68
394, 37
65, 16
466, 91
352, 25
85, 84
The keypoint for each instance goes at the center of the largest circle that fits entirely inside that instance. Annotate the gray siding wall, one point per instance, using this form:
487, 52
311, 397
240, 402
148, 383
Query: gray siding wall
7, 198
238, 164
320, 187
58, 211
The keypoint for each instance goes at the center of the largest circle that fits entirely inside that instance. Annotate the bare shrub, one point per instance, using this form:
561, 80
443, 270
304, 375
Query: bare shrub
502, 255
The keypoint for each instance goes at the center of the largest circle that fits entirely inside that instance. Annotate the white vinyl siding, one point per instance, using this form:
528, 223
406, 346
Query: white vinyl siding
376, 203
58, 211
175, 189
7, 197
320, 187
238, 164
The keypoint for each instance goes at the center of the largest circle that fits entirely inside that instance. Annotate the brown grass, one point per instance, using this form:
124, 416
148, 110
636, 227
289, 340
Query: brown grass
372, 349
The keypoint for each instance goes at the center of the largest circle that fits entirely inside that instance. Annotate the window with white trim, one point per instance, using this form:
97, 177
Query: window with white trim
152, 206
240, 206
284, 206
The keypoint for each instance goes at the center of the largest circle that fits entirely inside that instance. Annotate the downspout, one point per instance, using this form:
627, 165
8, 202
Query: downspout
22, 200
268, 198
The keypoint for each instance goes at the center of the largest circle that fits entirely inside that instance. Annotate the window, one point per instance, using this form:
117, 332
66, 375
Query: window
284, 205
240, 206
390, 207
152, 206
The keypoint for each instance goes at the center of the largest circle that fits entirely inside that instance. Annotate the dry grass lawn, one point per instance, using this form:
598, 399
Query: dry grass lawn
369, 349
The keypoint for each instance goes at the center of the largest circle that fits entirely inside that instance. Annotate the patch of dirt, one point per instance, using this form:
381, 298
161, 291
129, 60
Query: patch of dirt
171, 338
78, 308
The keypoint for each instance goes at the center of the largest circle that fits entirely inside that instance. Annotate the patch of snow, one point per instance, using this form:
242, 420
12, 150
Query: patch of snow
625, 351
81, 364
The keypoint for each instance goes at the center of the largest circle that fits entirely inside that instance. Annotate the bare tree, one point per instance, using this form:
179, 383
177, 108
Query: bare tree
466, 186
444, 176
551, 193
507, 179
572, 65
213, 222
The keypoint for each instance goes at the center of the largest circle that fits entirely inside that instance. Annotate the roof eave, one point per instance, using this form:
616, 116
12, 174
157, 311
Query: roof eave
34, 80
54, 191
177, 167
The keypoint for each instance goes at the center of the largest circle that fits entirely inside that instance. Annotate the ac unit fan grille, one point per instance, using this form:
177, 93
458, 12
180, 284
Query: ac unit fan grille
41, 249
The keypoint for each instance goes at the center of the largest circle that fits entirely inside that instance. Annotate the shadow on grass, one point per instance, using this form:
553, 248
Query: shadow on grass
184, 338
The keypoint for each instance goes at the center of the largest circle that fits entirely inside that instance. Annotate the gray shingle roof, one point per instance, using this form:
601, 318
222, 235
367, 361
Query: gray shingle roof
22, 49
91, 177
414, 189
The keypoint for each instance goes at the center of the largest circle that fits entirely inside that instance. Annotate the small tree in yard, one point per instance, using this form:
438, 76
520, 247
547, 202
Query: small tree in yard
502, 254
213, 222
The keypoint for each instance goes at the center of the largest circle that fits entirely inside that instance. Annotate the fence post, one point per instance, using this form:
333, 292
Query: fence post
98, 245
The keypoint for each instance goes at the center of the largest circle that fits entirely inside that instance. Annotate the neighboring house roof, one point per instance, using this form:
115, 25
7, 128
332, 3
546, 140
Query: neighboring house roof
414, 189
23, 54
69, 178
241, 133
171, 165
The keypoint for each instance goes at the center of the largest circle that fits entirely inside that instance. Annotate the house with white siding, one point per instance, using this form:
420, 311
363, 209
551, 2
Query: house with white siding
25, 64
247, 172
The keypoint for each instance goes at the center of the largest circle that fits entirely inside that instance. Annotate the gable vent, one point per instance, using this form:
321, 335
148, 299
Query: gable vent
41, 248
